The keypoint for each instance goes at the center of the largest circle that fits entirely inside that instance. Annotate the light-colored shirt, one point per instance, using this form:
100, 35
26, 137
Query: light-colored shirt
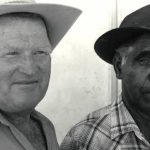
12, 139
109, 128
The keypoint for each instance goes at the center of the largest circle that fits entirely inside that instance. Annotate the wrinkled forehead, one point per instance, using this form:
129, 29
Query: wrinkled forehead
9, 21
135, 45
25, 29
142, 43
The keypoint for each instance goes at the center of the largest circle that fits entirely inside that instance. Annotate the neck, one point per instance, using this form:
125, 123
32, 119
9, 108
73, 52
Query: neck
140, 116
18, 119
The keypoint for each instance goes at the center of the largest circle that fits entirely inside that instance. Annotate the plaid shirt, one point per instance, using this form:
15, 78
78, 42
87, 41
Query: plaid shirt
110, 128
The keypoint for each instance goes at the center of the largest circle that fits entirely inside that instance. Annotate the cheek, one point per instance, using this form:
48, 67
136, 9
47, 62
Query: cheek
134, 77
46, 67
6, 75
45, 71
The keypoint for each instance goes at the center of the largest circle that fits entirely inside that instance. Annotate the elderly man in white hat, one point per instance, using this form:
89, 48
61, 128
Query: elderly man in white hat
28, 34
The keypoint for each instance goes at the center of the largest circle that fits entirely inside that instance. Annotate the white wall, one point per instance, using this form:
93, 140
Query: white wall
80, 81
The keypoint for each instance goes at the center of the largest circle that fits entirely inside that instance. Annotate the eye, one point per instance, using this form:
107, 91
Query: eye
11, 54
41, 53
144, 61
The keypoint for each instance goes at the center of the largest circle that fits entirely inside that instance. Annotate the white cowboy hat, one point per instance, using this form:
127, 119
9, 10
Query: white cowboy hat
58, 18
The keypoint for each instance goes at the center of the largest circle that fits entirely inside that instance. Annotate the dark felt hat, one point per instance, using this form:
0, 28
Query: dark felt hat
133, 25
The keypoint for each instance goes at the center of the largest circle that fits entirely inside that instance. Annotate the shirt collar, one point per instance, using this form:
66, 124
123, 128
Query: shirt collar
121, 120
5, 121
46, 125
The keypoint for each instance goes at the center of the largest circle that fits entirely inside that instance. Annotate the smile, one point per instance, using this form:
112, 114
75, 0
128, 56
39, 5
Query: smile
26, 82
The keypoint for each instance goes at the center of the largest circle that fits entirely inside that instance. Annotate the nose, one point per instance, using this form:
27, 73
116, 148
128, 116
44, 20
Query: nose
28, 65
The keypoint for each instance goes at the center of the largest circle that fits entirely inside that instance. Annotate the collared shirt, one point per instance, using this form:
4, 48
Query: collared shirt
12, 139
109, 128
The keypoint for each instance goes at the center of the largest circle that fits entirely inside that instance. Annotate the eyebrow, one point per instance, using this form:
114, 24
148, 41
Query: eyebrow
20, 47
143, 54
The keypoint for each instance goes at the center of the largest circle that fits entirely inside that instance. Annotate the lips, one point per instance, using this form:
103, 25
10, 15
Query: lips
26, 82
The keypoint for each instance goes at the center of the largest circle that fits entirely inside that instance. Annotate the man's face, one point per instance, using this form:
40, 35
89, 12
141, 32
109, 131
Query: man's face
24, 64
136, 75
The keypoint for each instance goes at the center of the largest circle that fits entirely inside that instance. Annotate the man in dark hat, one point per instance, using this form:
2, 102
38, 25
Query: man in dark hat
125, 124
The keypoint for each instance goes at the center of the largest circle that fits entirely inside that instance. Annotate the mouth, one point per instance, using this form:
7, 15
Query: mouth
26, 82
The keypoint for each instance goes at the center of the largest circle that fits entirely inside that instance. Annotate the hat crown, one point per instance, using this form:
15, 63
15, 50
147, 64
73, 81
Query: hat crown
133, 25
16, 1
139, 18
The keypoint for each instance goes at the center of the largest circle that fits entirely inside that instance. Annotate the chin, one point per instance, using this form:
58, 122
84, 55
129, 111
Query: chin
22, 109
25, 105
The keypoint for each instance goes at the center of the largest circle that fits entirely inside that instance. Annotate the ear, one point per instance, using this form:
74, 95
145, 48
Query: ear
117, 65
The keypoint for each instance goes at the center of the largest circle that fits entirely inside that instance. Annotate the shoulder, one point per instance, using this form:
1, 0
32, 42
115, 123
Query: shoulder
93, 121
49, 130
43, 118
95, 127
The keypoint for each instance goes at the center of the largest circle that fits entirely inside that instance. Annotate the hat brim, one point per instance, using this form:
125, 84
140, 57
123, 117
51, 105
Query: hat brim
58, 18
106, 44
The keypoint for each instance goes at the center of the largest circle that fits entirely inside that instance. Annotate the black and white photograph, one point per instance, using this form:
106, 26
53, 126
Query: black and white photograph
74, 75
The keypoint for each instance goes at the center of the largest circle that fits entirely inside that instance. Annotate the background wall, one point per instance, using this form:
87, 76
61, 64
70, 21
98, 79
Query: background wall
80, 81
